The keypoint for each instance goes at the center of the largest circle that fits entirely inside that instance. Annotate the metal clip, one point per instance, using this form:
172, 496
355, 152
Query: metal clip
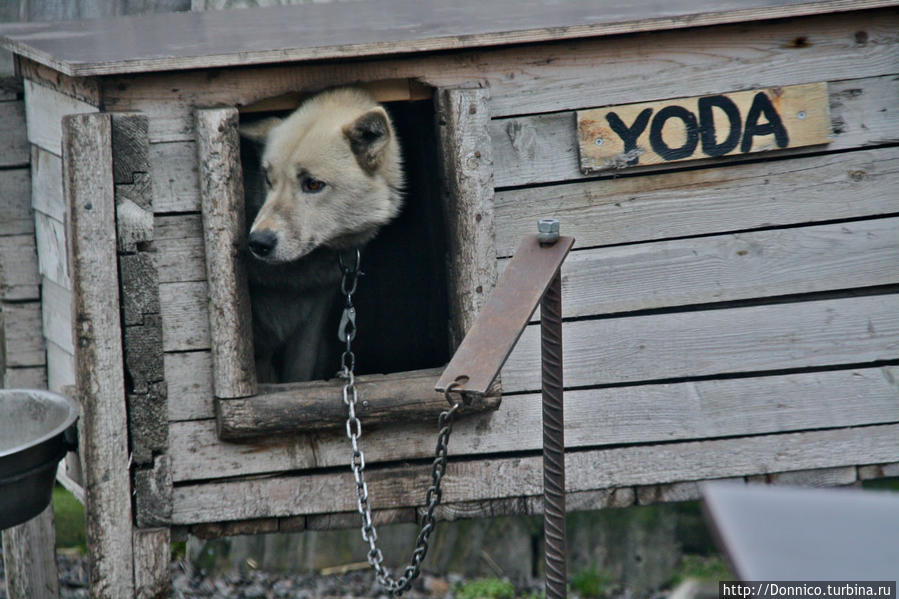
347, 328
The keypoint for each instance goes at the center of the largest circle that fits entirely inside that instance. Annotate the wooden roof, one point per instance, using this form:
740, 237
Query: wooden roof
174, 41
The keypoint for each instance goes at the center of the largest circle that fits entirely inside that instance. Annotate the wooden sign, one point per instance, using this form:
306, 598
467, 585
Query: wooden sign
775, 118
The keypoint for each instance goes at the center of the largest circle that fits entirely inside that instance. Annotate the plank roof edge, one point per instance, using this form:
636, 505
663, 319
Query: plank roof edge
389, 27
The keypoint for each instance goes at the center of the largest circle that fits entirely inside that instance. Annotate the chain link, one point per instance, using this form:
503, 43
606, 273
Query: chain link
346, 333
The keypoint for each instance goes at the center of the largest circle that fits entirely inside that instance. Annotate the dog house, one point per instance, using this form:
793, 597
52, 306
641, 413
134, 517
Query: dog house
731, 304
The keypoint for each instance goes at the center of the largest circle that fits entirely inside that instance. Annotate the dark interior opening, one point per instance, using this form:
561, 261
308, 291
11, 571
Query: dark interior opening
401, 301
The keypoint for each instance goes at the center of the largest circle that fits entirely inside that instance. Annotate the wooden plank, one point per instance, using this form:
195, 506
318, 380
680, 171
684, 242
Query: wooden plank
384, 400
44, 109
185, 320
103, 427
556, 77
13, 142
224, 231
60, 368
86, 89
19, 280
593, 417
730, 267
173, 172
50, 237
467, 175
682, 129
878, 471
819, 477
711, 200
152, 559
56, 316
23, 344
521, 476
180, 251
544, 148
189, 379
153, 492
15, 202
46, 183
687, 344
29, 377
29, 560
335, 30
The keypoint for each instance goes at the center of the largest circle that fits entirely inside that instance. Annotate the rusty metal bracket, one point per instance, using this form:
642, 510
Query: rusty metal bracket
532, 276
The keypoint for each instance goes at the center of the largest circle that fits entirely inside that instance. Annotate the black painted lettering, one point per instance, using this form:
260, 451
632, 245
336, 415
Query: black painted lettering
761, 106
658, 123
707, 133
629, 135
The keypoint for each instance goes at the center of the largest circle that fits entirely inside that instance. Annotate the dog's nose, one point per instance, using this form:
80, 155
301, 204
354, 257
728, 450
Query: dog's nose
262, 242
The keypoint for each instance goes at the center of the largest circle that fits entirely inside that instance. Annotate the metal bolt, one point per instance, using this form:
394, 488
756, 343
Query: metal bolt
599, 141
548, 230
800, 115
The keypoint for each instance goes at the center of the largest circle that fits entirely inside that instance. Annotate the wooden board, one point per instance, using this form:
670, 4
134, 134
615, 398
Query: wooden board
714, 126
173, 173
15, 202
30, 569
523, 476
185, 317
46, 183
56, 310
853, 330
22, 339
555, 77
544, 148
60, 368
44, 109
13, 141
19, 279
593, 418
189, 379
103, 427
338, 30
729, 267
50, 235
710, 200
178, 240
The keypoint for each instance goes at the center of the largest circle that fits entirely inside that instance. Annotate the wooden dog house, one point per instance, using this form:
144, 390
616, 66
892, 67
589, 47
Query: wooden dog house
731, 306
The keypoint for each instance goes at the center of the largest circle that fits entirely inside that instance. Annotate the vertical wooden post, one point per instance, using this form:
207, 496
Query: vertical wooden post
224, 229
103, 428
467, 152
29, 554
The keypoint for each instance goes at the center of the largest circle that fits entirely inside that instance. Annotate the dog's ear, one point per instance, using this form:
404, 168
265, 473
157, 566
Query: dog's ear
257, 131
369, 135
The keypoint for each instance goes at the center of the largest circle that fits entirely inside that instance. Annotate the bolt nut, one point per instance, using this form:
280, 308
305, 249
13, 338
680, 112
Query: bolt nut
548, 230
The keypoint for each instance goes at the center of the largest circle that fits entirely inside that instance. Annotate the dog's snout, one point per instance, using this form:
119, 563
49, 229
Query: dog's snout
262, 242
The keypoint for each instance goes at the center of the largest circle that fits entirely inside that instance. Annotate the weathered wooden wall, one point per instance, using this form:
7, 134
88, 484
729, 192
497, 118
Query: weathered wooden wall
741, 309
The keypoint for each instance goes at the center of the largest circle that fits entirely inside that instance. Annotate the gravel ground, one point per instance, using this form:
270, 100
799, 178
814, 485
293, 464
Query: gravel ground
254, 584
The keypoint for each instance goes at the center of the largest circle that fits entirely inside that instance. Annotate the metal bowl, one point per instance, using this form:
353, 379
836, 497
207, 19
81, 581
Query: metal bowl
37, 428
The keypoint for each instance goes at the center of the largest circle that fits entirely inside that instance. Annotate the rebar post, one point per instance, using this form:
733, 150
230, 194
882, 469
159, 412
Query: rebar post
553, 440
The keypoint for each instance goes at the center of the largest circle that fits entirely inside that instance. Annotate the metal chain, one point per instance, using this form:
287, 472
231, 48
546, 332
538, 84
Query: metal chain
346, 333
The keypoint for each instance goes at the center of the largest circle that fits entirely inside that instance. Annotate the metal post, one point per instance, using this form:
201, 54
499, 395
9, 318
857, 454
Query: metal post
553, 439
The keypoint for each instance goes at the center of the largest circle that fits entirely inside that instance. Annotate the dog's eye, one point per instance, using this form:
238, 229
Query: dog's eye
311, 185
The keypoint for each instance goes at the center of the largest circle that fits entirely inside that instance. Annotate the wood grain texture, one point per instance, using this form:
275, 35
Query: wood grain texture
467, 176
523, 476
174, 173
712, 342
56, 315
384, 400
29, 559
13, 139
29, 377
710, 200
180, 252
593, 417
337, 30
556, 77
189, 379
15, 202
185, 316
19, 279
44, 109
22, 339
728, 267
103, 428
544, 148
152, 559
60, 368
224, 232
46, 184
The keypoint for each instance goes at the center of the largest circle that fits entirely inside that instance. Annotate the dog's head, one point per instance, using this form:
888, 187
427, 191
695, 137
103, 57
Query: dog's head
333, 176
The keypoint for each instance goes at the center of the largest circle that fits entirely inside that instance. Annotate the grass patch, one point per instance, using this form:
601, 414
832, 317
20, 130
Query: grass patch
703, 567
592, 583
486, 588
68, 513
